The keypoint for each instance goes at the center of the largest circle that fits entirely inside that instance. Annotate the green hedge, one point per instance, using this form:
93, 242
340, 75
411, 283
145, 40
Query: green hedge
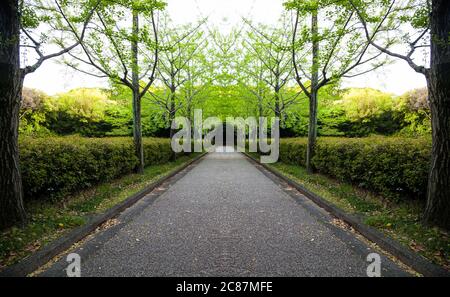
55, 166
392, 166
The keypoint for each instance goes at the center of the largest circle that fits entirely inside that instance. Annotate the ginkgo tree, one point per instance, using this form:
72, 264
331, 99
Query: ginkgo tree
181, 47
253, 88
421, 31
327, 45
29, 31
122, 44
267, 48
199, 77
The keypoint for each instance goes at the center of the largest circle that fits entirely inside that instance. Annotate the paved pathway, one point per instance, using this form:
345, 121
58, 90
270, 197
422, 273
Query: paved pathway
224, 217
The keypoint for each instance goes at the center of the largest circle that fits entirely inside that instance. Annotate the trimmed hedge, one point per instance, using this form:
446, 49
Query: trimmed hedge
392, 166
55, 166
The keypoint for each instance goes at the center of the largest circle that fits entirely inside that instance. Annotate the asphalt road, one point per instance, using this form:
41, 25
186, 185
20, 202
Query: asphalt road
224, 217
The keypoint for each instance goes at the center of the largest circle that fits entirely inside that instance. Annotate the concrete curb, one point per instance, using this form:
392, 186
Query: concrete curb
45, 254
404, 254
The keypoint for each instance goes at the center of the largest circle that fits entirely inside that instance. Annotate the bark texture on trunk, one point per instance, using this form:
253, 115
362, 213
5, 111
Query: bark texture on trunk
260, 109
312, 128
137, 132
137, 125
11, 80
437, 211
312, 131
189, 112
277, 110
172, 113
172, 109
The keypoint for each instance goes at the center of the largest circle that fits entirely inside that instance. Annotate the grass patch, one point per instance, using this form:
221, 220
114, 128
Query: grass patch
49, 220
400, 220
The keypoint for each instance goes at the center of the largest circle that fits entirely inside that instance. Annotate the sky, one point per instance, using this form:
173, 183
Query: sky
54, 77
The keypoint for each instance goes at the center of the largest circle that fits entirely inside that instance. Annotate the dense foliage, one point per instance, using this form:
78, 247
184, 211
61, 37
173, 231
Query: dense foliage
87, 112
54, 166
352, 112
393, 166
356, 112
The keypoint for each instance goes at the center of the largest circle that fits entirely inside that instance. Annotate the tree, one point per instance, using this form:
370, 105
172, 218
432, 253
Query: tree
112, 48
422, 27
180, 47
257, 92
269, 49
196, 89
337, 50
26, 27
230, 80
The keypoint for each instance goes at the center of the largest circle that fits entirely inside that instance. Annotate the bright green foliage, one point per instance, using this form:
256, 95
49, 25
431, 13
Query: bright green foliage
87, 112
352, 112
368, 111
404, 24
32, 113
80, 111
267, 69
415, 111
107, 50
330, 116
46, 23
414, 13
343, 51
232, 74
120, 116
183, 68
56, 166
365, 103
393, 166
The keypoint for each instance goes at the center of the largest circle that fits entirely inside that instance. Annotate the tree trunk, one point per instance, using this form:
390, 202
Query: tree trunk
438, 195
172, 111
260, 109
11, 80
260, 92
277, 103
137, 125
312, 131
312, 127
189, 112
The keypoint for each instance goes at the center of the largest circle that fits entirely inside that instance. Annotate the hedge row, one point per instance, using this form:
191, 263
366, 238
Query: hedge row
394, 167
55, 166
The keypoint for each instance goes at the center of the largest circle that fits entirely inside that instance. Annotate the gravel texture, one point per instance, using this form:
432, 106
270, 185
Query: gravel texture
224, 217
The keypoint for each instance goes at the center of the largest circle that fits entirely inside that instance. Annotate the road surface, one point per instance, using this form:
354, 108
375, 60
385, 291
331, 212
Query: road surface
224, 217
